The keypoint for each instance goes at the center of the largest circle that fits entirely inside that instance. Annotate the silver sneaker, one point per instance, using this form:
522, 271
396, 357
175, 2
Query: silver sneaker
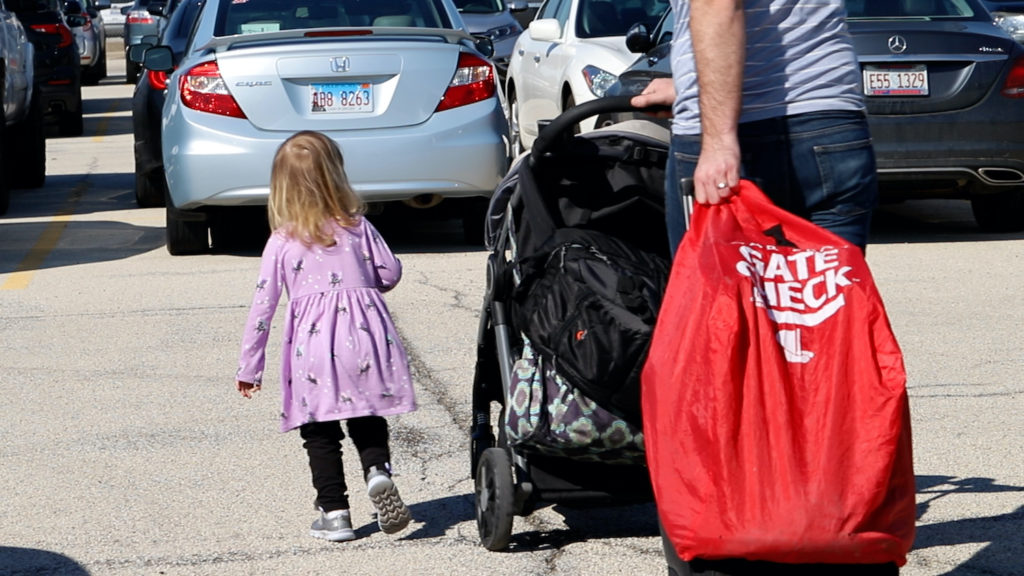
392, 514
335, 526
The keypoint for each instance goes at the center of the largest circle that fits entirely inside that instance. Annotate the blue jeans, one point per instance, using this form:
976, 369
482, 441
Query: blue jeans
820, 166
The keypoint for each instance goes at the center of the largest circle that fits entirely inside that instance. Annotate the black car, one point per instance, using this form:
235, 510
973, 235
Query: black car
148, 103
57, 63
944, 89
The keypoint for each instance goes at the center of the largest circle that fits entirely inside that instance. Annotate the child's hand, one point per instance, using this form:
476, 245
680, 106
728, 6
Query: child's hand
247, 388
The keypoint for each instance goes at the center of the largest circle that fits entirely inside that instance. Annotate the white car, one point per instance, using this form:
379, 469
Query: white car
571, 53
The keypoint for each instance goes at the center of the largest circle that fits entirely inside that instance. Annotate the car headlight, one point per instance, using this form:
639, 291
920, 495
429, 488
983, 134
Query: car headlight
1012, 23
500, 32
598, 80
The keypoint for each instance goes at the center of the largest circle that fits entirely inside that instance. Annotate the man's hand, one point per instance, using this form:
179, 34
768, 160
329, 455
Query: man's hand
660, 92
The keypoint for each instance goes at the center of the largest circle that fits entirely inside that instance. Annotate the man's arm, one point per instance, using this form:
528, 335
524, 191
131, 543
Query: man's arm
719, 44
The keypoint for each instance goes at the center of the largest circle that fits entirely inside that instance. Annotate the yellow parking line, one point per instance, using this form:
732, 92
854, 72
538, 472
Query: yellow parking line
22, 276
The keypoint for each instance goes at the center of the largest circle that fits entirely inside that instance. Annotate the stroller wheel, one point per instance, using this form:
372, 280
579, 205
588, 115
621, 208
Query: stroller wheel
495, 499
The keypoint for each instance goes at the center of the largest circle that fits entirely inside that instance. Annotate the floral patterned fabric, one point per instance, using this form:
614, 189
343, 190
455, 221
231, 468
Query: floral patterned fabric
547, 415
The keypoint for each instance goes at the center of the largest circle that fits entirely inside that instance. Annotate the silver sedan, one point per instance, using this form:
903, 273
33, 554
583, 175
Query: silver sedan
407, 93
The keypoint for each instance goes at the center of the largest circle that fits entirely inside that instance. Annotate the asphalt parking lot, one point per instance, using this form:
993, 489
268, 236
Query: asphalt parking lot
127, 451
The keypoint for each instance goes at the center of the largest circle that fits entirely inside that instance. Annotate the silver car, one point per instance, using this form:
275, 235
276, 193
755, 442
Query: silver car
401, 86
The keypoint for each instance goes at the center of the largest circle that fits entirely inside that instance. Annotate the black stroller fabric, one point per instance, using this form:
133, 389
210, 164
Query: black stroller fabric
592, 264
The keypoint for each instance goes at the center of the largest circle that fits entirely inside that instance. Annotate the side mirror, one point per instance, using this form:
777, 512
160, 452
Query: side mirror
157, 8
638, 39
136, 52
518, 5
75, 20
545, 30
158, 59
484, 45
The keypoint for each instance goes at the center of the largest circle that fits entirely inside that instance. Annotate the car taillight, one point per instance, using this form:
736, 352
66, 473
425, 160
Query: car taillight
473, 81
139, 17
202, 88
157, 79
1014, 85
88, 24
58, 30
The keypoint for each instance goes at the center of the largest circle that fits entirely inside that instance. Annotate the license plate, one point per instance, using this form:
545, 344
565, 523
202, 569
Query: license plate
909, 80
341, 98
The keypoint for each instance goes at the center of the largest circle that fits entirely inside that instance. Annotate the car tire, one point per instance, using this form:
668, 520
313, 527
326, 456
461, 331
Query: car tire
5, 190
474, 215
70, 123
150, 189
186, 236
570, 102
1000, 211
515, 136
25, 154
93, 75
131, 72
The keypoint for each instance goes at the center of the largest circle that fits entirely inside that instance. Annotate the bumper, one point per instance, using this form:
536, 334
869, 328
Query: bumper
954, 155
217, 161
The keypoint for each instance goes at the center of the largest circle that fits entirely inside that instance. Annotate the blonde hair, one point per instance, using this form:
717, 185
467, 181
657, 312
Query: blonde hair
309, 188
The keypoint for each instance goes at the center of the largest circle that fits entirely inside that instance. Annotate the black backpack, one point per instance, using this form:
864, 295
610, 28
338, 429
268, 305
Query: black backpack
589, 307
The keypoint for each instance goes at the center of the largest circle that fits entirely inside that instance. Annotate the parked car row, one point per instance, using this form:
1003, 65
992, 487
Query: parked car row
22, 145
425, 119
945, 98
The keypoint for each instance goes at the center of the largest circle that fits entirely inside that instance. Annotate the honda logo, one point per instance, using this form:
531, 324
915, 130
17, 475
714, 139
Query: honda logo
897, 44
340, 64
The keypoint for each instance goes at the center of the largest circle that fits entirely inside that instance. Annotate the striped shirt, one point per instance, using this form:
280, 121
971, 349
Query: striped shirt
799, 59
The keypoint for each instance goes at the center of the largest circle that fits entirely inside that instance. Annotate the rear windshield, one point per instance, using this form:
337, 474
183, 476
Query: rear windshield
480, 6
930, 9
254, 16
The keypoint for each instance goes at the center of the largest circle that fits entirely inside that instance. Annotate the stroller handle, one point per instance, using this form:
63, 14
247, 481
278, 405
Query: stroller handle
559, 127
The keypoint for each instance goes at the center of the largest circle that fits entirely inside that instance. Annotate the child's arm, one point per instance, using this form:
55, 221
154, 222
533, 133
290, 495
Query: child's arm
387, 265
269, 287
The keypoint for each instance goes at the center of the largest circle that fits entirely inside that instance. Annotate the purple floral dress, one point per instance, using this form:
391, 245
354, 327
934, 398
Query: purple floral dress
342, 357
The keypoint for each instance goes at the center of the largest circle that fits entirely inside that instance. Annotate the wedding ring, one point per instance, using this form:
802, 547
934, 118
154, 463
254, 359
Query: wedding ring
721, 185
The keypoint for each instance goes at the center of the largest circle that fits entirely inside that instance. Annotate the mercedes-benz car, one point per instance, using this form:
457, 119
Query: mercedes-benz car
944, 89
407, 93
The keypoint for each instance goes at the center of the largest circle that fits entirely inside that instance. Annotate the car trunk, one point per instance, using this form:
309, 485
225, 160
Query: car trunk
339, 84
941, 69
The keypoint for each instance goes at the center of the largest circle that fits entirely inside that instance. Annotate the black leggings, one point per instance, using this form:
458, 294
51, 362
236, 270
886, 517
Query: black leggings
322, 441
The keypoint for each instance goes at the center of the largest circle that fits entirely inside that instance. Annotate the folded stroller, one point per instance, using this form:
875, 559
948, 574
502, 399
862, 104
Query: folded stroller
577, 268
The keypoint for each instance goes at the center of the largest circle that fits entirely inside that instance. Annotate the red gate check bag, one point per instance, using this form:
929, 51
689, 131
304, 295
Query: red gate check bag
775, 412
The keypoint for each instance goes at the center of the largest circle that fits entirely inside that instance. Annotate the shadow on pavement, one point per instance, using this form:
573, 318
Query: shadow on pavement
32, 561
925, 221
1003, 533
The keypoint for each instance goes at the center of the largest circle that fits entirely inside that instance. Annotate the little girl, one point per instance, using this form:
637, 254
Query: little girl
342, 359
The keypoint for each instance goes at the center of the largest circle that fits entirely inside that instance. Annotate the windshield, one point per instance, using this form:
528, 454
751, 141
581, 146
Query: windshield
603, 18
930, 9
480, 6
255, 16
